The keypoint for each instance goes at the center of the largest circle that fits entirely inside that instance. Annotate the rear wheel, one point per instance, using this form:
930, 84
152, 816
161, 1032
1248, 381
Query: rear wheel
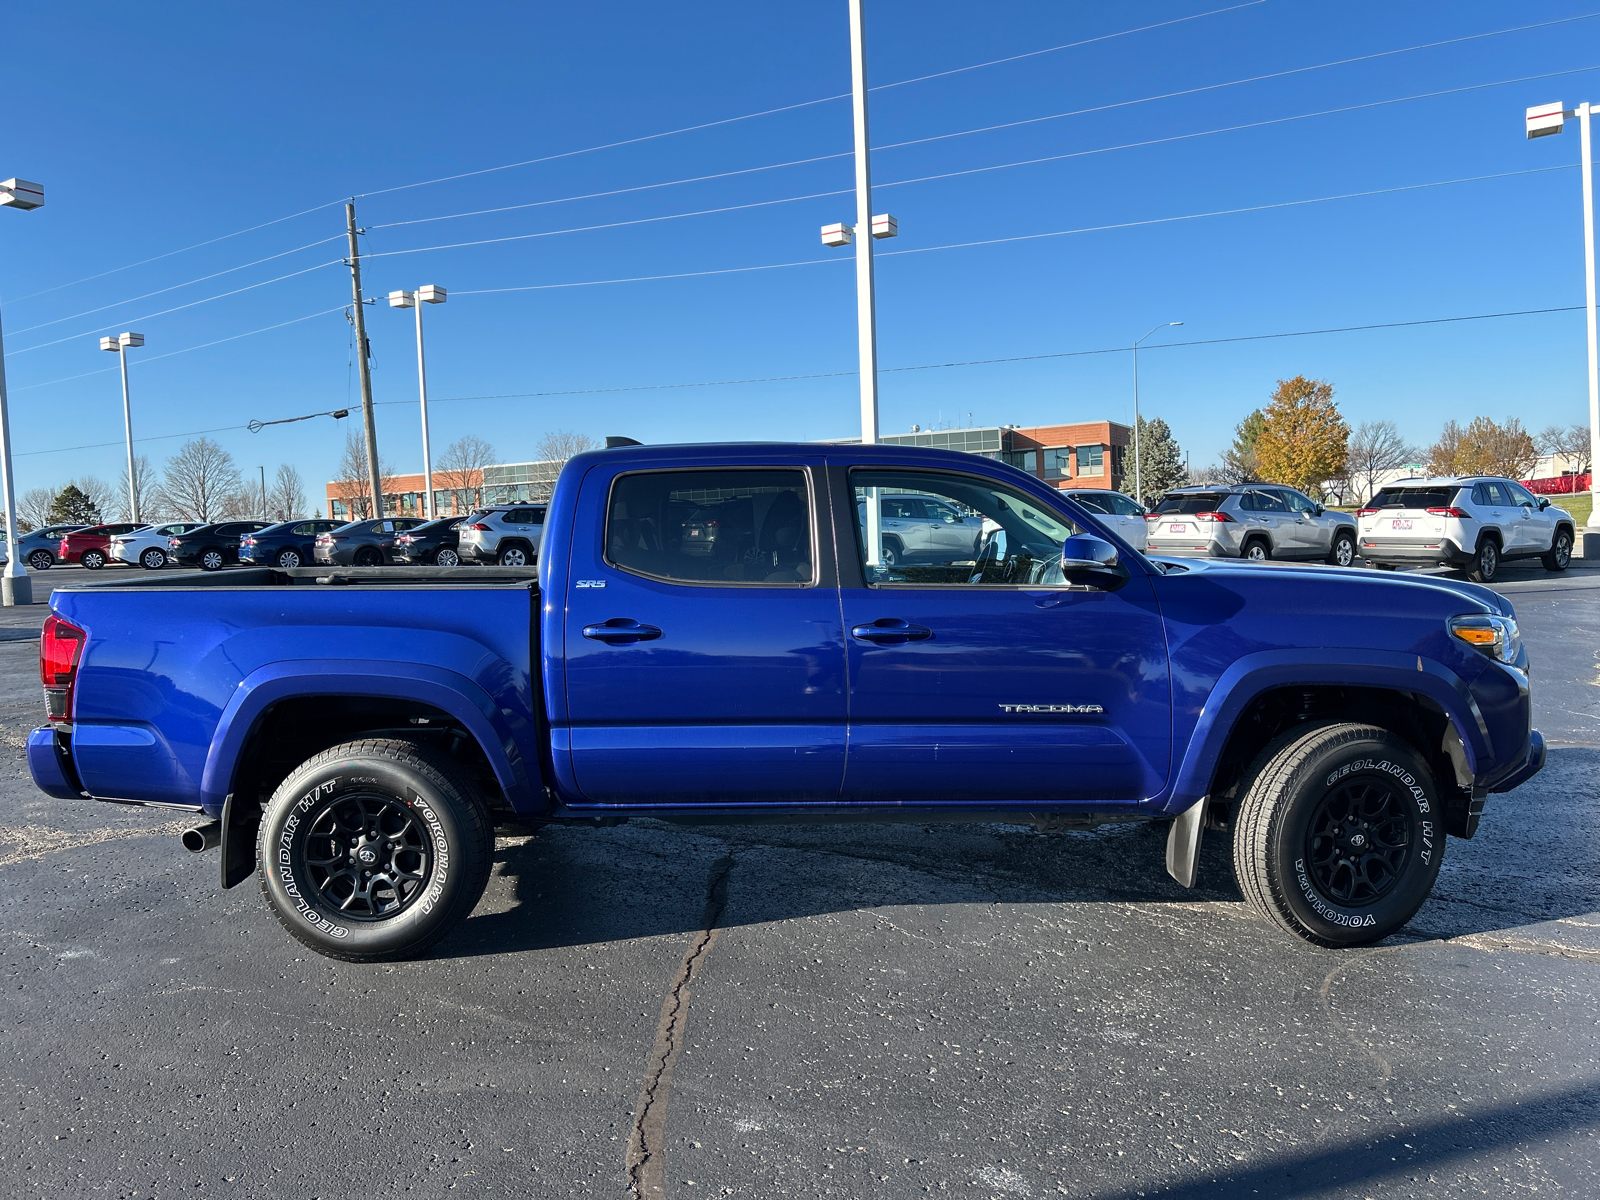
153, 559
1486, 563
514, 556
1560, 552
288, 557
1338, 838
368, 556
1257, 550
1343, 553
41, 560
446, 557
374, 850
93, 560
212, 560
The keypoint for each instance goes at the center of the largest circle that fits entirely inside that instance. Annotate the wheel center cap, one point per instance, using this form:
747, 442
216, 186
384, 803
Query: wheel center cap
367, 854
1358, 841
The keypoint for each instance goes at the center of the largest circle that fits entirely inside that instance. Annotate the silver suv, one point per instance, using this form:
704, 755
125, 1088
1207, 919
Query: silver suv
1474, 522
1256, 521
507, 534
918, 528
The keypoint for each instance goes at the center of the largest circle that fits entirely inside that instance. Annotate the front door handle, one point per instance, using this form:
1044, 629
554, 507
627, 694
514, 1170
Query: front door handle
621, 631
891, 631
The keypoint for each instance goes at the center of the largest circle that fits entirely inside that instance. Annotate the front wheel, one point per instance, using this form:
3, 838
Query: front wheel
374, 850
1343, 553
1560, 556
1339, 835
93, 560
211, 560
153, 559
446, 557
1485, 564
41, 560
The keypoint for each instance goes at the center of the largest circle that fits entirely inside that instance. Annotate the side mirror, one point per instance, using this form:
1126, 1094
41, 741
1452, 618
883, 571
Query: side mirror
1544, 503
1317, 510
1093, 562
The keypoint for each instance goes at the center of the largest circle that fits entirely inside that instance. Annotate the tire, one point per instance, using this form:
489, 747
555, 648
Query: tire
93, 560
417, 893
514, 556
288, 557
1486, 563
41, 560
368, 556
892, 553
212, 560
153, 559
1356, 885
446, 557
1560, 555
1257, 550
1343, 553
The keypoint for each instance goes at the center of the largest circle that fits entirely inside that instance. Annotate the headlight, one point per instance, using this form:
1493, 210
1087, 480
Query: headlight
1495, 636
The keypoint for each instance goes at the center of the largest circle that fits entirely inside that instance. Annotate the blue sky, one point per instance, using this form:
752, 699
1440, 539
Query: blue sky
187, 122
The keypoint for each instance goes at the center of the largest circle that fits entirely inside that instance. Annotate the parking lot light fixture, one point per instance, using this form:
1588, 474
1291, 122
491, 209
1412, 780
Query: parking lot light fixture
428, 293
15, 586
1542, 121
1138, 475
121, 344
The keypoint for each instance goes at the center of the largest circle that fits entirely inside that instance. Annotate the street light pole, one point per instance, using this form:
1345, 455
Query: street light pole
866, 297
427, 294
1138, 472
1542, 120
120, 345
15, 586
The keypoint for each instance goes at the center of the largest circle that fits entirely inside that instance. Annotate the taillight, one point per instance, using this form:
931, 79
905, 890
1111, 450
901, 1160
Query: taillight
1152, 516
1366, 512
60, 646
1213, 516
479, 528
1452, 511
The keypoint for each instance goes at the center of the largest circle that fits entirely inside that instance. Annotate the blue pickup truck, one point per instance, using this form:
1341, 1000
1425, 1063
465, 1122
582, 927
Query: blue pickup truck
717, 633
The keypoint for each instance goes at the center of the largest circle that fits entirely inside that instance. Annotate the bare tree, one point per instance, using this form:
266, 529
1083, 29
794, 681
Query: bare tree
201, 482
33, 508
1376, 448
101, 495
1571, 442
562, 444
351, 485
286, 499
144, 488
461, 470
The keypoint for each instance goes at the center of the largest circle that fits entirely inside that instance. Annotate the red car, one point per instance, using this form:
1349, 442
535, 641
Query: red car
91, 546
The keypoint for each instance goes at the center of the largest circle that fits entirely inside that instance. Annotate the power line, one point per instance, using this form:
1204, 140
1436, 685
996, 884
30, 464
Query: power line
975, 362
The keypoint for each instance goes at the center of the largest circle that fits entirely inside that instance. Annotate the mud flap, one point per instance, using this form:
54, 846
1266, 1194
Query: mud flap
1183, 843
239, 843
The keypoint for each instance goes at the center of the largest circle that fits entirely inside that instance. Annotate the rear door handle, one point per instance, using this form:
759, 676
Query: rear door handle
621, 631
891, 631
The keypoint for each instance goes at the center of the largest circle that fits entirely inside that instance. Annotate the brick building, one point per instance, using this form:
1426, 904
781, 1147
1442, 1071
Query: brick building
1082, 454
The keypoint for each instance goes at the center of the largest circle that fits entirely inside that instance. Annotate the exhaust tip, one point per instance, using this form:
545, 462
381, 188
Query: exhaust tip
202, 837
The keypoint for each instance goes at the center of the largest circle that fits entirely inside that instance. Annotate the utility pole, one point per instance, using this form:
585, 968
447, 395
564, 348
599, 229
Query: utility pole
263, 471
368, 420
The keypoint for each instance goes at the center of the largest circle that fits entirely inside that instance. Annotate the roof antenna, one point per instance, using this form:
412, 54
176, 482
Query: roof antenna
613, 442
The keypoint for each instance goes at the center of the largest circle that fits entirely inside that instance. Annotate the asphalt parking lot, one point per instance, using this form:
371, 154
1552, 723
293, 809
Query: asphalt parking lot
854, 1011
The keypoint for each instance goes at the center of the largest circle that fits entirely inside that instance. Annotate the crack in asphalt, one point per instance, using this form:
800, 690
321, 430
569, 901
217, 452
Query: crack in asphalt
647, 1150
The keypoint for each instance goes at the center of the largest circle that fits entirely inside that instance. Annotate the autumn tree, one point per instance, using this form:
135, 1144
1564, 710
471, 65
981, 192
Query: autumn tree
1303, 439
201, 482
1239, 460
1376, 448
1159, 461
1485, 447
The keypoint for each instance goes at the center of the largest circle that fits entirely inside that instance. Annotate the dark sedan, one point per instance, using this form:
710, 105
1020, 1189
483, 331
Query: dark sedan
433, 544
211, 547
366, 543
286, 544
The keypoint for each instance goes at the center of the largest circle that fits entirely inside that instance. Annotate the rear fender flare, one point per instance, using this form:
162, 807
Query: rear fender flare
1254, 674
443, 689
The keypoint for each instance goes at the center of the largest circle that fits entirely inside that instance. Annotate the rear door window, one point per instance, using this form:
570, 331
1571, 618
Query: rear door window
733, 528
1094, 503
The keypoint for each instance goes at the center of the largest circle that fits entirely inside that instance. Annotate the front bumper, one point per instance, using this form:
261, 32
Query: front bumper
1526, 769
1411, 553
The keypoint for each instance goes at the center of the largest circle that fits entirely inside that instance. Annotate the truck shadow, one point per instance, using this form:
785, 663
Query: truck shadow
1535, 859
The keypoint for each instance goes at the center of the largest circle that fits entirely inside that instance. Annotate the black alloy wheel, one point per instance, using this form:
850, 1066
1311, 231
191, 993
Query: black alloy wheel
1358, 840
1486, 563
153, 559
211, 560
367, 856
93, 560
446, 557
1344, 550
41, 560
368, 556
288, 557
1560, 555
1257, 550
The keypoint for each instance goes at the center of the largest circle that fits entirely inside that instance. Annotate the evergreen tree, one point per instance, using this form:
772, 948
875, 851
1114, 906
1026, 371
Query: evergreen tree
72, 507
1160, 462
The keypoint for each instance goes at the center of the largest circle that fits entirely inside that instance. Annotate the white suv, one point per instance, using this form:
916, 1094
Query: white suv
1473, 523
507, 534
1121, 514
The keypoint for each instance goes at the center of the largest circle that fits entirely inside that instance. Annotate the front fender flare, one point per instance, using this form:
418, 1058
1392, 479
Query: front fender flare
1256, 673
448, 690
